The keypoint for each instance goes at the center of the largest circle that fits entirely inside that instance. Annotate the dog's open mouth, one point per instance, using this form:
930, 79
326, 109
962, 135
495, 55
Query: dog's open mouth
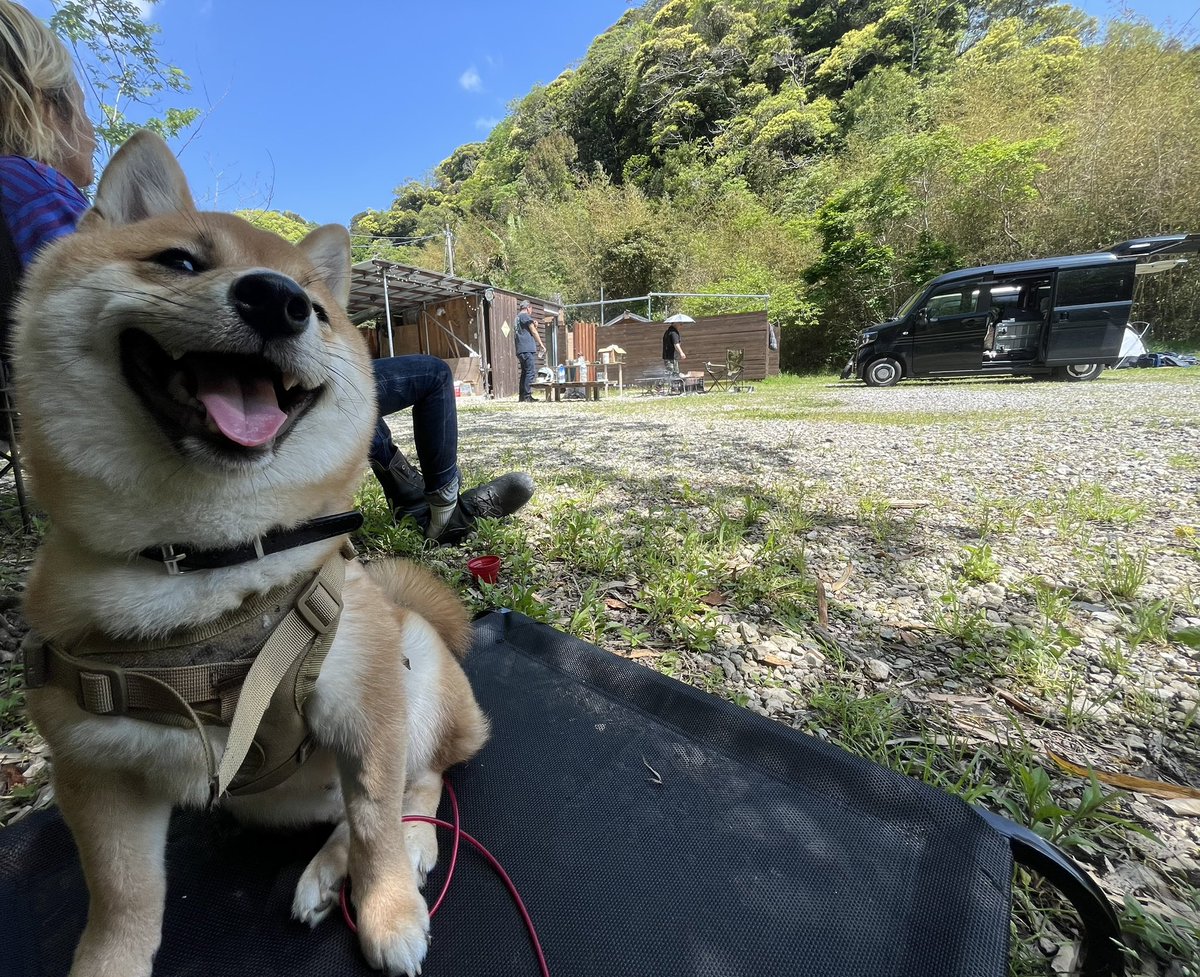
234, 402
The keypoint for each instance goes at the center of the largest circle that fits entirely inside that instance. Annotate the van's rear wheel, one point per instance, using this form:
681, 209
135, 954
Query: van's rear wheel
1078, 372
883, 373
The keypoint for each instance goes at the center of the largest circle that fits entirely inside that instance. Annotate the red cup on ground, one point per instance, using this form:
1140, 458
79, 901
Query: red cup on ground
485, 569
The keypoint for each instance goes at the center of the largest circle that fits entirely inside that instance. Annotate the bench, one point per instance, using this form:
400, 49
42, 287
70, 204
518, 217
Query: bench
591, 388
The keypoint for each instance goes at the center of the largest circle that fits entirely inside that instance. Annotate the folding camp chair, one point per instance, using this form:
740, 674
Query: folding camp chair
10, 455
725, 376
649, 827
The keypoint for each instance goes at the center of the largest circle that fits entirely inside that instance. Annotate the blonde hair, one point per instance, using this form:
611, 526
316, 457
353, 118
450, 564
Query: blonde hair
36, 73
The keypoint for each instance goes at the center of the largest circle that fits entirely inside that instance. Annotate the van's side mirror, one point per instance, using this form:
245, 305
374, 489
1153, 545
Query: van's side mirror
922, 317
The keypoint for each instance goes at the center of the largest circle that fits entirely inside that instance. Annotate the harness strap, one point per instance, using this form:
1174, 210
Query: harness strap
305, 632
311, 624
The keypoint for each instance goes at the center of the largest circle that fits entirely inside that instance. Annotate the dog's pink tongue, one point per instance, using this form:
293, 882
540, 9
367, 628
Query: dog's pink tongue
245, 410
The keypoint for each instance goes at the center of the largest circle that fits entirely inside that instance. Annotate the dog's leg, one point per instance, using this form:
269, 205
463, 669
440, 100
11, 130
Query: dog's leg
422, 797
393, 920
122, 838
320, 885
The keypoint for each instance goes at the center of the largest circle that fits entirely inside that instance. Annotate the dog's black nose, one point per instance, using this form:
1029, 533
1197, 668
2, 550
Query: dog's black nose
272, 305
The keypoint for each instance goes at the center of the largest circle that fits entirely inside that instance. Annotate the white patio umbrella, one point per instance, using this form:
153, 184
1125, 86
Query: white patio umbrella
679, 317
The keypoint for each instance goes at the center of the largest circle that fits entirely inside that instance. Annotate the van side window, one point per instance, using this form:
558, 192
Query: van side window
1094, 286
962, 300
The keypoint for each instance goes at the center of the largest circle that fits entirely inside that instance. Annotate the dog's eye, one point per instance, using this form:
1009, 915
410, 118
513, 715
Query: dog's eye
321, 313
177, 260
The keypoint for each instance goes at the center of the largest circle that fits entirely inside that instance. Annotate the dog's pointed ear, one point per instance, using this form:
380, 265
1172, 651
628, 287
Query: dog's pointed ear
142, 180
328, 248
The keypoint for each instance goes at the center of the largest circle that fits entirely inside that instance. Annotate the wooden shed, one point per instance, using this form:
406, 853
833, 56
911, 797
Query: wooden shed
705, 340
468, 324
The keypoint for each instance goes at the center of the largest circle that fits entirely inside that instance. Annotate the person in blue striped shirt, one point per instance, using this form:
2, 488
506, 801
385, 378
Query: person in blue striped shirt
46, 139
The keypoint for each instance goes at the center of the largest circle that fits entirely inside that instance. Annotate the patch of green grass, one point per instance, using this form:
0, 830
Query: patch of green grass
1149, 621
583, 537
1087, 825
1166, 936
882, 521
957, 619
1114, 657
1117, 573
999, 515
1051, 601
864, 725
979, 564
588, 619
1035, 658
1094, 503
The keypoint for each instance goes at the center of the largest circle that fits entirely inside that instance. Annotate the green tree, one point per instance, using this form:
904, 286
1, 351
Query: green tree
125, 80
289, 226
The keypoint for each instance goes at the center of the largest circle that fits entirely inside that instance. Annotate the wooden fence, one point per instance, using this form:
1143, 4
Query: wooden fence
706, 339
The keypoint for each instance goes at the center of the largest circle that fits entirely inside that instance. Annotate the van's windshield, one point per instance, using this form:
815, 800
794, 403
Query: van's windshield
911, 301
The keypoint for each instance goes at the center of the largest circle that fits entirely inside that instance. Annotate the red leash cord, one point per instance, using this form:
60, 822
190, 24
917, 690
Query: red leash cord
491, 860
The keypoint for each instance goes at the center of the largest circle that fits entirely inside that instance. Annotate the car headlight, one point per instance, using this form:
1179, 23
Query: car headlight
866, 338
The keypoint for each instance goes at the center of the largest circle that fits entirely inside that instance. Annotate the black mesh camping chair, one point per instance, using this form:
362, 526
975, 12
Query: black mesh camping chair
650, 828
725, 376
10, 454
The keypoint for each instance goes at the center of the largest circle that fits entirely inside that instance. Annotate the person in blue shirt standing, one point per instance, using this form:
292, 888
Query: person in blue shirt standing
529, 344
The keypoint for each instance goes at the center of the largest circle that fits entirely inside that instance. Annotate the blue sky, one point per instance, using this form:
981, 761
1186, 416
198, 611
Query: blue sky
324, 108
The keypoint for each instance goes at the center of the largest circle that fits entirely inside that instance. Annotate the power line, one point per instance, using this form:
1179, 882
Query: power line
395, 239
1188, 21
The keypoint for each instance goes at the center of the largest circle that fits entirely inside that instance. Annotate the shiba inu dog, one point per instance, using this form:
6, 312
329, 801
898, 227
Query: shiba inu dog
190, 386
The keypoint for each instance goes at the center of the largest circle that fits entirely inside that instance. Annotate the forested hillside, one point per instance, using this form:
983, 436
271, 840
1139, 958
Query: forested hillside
833, 154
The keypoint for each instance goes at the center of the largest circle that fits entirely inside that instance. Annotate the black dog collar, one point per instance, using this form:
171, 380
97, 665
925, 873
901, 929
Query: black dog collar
180, 558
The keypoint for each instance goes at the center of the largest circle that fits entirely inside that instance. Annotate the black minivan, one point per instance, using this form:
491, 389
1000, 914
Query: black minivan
1063, 317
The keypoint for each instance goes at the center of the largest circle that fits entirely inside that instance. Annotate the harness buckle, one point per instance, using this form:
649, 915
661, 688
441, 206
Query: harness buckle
319, 606
171, 560
33, 656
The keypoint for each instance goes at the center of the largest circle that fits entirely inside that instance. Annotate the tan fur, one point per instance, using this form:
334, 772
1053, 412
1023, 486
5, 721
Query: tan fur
114, 481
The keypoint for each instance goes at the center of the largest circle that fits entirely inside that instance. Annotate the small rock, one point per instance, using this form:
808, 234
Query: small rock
877, 670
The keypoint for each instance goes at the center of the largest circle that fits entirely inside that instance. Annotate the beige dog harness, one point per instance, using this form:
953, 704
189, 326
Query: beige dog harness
252, 670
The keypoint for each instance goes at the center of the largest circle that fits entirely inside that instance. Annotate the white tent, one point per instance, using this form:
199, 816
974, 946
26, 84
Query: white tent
1132, 344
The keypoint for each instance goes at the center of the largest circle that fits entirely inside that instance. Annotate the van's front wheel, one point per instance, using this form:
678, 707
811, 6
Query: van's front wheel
1078, 372
883, 373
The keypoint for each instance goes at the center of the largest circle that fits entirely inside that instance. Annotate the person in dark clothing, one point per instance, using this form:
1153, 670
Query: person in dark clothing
672, 351
529, 344
431, 496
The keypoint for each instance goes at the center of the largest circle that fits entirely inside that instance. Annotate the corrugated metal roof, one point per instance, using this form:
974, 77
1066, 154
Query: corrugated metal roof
408, 286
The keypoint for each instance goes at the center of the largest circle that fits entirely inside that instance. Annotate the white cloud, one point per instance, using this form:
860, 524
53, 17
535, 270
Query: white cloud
470, 80
487, 125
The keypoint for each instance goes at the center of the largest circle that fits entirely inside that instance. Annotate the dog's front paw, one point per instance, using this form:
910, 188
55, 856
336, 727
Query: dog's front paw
393, 929
320, 886
421, 842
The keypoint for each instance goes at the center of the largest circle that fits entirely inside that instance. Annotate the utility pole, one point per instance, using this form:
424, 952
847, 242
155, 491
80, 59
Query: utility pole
449, 251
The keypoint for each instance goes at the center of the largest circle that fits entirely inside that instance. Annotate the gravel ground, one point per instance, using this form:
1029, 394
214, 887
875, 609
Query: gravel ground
1003, 563
1086, 497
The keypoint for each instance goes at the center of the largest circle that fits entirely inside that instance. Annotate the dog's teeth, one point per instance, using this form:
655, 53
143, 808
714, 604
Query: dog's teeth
290, 380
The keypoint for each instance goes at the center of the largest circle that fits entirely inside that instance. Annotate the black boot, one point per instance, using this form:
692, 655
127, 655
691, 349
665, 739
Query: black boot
492, 500
404, 488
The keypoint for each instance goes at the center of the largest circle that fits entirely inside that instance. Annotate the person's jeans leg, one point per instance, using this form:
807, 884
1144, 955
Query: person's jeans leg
528, 372
426, 384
